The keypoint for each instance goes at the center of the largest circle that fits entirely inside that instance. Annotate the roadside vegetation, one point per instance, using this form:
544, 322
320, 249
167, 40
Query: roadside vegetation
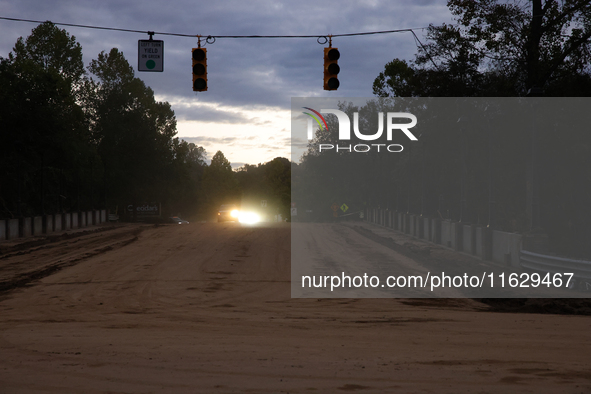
78, 138
532, 178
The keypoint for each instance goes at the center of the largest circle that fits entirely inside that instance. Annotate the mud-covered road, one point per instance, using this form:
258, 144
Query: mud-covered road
206, 308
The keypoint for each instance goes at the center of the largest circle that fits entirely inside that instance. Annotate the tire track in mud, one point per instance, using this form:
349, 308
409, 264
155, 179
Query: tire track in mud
84, 246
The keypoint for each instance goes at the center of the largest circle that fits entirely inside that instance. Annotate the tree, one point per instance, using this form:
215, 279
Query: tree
70, 142
51, 48
499, 49
133, 133
185, 178
514, 48
219, 183
278, 178
270, 182
45, 139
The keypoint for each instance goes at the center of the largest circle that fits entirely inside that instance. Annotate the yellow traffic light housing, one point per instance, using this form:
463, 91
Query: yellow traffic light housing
331, 68
199, 69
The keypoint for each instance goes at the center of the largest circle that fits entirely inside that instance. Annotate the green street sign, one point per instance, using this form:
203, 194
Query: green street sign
344, 208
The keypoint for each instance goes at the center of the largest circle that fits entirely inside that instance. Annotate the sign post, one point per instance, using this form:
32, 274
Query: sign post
150, 55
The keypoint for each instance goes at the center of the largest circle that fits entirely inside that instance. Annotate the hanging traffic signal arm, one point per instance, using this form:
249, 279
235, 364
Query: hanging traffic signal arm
331, 68
199, 69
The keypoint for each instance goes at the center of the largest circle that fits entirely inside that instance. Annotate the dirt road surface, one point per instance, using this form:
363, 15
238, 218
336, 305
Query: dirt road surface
206, 308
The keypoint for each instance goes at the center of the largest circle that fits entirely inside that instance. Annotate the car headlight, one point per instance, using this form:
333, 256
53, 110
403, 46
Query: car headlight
234, 213
249, 218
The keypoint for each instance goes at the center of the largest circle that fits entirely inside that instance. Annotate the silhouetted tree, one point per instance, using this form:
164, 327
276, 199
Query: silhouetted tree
44, 139
219, 183
499, 49
132, 131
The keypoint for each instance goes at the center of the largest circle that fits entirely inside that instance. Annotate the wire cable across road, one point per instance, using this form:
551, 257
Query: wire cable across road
214, 36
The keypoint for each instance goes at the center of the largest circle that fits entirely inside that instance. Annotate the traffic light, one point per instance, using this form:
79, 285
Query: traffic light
199, 69
331, 68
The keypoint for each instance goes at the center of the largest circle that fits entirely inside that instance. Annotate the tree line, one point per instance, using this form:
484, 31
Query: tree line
531, 177
77, 138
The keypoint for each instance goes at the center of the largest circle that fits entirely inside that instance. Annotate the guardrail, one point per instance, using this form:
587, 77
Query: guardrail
51, 223
483, 242
554, 264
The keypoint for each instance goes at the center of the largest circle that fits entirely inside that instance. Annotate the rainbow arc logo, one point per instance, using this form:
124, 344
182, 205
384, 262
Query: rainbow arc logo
317, 117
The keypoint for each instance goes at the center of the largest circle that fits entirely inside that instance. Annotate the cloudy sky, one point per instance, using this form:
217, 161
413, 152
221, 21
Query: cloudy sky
246, 111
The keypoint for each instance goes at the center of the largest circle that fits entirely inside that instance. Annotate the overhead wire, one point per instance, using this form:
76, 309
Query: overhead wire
216, 36
213, 37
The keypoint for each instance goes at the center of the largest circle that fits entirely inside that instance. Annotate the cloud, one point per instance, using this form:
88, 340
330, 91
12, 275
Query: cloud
244, 71
207, 115
217, 140
245, 74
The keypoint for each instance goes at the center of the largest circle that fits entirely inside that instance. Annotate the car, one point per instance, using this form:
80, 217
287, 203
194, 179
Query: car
228, 212
176, 219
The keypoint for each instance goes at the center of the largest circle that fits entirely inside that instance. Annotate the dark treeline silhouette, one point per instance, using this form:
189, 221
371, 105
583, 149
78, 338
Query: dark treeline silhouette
499, 49
532, 177
516, 165
271, 182
75, 138
72, 142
